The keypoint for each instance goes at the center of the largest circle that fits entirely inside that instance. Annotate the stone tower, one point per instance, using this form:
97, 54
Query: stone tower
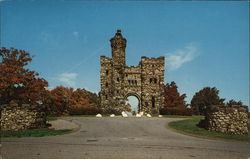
118, 81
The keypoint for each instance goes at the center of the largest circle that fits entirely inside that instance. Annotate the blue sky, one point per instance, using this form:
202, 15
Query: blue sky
204, 43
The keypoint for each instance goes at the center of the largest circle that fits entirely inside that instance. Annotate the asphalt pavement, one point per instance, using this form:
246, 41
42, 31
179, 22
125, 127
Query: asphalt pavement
122, 138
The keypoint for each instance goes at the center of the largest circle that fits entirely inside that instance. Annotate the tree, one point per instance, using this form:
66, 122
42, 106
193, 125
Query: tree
63, 101
204, 98
60, 99
17, 83
172, 96
233, 102
81, 98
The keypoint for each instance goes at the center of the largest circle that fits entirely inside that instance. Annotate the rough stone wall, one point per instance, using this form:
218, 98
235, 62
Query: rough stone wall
14, 117
227, 119
152, 76
118, 81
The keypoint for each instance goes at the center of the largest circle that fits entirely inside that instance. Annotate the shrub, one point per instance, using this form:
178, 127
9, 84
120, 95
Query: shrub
176, 111
84, 111
112, 111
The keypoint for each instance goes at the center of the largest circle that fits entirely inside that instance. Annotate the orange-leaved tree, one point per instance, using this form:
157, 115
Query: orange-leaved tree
59, 100
63, 101
18, 83
172, 96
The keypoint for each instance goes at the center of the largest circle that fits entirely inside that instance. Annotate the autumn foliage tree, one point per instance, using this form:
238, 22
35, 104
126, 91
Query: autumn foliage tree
63, 101
18, 83
205, 98
82, 102
58, 100
172, 96
174, 103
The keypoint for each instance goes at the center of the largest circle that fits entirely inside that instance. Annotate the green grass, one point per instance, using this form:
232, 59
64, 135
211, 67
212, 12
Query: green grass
178, 116
103, 115
189, 127
51, 118
33, 133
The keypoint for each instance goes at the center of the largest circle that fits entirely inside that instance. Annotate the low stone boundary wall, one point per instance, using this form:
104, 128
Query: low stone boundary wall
227, 119
15, 117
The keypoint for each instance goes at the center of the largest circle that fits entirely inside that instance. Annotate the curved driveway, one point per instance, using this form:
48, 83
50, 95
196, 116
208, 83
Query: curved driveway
122, 138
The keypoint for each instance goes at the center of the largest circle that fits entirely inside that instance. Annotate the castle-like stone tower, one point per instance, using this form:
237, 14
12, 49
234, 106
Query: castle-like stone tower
118, 81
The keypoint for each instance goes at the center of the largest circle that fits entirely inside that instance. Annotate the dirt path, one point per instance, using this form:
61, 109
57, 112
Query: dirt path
63, 124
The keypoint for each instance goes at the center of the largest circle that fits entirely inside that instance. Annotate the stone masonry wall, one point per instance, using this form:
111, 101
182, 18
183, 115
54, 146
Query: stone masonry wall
14, 117
118, 81
227, 119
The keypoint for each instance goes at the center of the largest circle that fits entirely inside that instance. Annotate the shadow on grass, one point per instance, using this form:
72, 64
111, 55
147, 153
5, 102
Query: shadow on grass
190, 127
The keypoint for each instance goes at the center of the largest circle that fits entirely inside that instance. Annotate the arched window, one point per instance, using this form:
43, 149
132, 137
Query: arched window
107, 72
118, 79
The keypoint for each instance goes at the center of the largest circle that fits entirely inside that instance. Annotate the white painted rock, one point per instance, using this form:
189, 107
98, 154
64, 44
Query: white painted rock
160, 116
112, 115
125, 115
141, 113
99, 115
148, 115
138, 115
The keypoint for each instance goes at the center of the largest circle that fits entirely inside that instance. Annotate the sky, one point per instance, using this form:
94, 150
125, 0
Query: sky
205, 44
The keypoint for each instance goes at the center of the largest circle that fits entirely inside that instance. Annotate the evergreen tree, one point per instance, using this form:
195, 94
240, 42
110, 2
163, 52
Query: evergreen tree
204, 98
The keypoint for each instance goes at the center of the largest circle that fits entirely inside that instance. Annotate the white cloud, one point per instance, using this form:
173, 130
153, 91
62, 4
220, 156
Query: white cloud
76, 34
68, 79
177, 58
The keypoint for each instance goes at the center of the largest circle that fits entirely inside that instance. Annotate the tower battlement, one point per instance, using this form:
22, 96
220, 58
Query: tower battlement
118, 81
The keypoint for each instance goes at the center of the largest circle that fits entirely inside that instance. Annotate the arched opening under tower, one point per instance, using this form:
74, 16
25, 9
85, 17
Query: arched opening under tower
134, 104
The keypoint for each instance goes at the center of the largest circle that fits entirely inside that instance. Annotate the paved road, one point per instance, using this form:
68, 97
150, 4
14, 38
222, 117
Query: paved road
119, 138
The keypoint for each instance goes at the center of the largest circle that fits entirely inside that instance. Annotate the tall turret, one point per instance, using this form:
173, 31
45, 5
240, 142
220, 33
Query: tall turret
118, 45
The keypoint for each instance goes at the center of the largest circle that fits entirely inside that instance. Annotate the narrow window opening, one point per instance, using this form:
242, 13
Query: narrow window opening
153, 102
107, 72
106, 84
155, 80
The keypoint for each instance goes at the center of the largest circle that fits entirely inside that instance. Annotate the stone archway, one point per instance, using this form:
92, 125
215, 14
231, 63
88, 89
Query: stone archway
136, 96
145, 81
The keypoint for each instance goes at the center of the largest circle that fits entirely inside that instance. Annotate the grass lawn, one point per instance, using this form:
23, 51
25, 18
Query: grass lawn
33, 133
178, 116
189, 127
51, 118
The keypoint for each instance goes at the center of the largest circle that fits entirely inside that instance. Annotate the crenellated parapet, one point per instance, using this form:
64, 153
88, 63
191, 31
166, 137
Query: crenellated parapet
118, 81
